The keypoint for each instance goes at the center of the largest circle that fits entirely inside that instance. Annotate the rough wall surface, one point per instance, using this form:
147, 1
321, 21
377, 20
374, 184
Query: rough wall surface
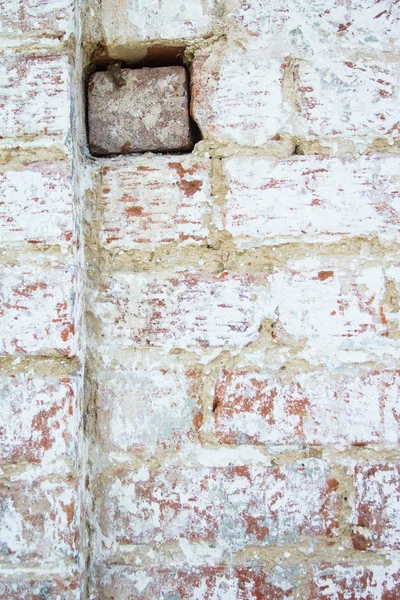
199, 387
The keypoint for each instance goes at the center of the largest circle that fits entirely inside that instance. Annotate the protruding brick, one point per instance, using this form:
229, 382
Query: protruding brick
156, 200
204, 583
37, 18
146, 407
38, 309
36, 204
38, 522
134, 20
139, 110
239, 98
356, 100
35, 96
377, 505
355, 582
309, 408
46, 589
311, 198
38, 416
233, 506
191, 310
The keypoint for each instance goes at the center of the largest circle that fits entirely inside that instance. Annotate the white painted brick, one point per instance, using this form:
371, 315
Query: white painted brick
155, 200
193, 310
307, 408
38, 314
311, 198
337, 309
40, 414
139, 20
44, 18
198, 583
37, 204
238, 97
38, 521
332, 581
144, 408
27, 589
35, 98
356, 100
232, 506
377, 503
322, 26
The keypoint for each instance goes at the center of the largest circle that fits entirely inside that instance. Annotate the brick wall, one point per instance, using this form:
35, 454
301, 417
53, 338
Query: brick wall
199, 383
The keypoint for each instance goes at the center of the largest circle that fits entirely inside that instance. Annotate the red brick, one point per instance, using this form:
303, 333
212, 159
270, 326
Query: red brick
186, 310
155, 200
311, 198
148, 109
143, 408
239, 98
37, 309
37, 204
206, 583
40, 417
377, 505
44, 18
30, 589
232, 506
349, 581
38, 521
35, 97
307, 408
351, 99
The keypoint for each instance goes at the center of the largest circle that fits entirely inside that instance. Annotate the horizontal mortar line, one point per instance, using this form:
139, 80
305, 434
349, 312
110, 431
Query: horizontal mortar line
325, 552
32, 154
14, 472
57, 366
177, 459
13, 573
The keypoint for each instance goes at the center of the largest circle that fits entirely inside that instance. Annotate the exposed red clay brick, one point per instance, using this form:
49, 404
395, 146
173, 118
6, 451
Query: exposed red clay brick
139, 110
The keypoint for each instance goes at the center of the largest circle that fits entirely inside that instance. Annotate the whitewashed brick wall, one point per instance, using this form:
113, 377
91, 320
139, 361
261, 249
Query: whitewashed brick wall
199, 383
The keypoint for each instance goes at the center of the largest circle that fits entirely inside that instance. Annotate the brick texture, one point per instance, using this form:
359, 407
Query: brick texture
377, 505
37, 204
38, 314
348, 99
147, 407
311, 198
156, 200
37, 522
239, 98
191, 310
30, 589
38, 416
40, 18
144, 20
199, 300
35, 98
309, 408
354, 581
139, 110
242, 583
326, 26
220, 505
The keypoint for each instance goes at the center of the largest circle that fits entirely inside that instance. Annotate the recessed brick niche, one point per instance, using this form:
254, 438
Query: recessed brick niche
139, 110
